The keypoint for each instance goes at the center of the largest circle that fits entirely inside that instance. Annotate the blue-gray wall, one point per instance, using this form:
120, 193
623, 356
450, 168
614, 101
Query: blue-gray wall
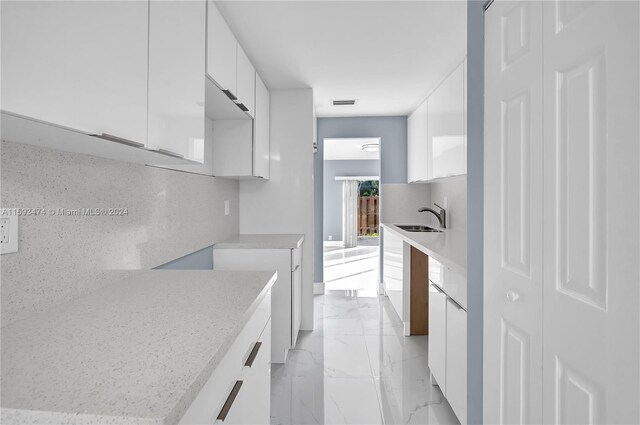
333, 190
475, 194
199, 260
393, 161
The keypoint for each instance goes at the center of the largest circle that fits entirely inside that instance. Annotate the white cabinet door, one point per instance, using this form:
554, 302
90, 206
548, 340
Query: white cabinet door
393, 270
281, 293
177, 33
446, 127
261, 128
296, 294
417, 148
438, 335
78, 64
591, 317
221, 50
256, 397
513, 235
246, 83
456, 364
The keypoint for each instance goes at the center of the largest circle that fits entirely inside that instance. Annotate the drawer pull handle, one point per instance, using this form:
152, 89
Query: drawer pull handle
458, 306
241, 106
227, 404
297, 267
437, 288
230, 95
253, 354
112, 138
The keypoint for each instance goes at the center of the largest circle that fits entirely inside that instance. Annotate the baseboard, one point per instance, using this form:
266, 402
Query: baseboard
318, 288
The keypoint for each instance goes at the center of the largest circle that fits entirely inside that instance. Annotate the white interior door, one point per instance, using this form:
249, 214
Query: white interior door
513, 222
591, 320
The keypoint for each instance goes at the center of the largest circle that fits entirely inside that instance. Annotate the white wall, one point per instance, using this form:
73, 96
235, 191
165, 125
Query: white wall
456, 192
284, 203
170, 214
399, 203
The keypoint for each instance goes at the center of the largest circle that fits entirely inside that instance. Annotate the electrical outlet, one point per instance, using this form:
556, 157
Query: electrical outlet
330, 237
8, 231
226, 208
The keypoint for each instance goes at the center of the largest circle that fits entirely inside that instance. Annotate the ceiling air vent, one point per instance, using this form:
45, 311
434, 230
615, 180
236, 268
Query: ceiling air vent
348, 102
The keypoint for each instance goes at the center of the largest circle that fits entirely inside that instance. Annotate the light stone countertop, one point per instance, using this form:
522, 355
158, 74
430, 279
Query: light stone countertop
273, 241
137, 351
449, 247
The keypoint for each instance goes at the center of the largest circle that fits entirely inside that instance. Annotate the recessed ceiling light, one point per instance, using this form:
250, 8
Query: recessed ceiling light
371, 147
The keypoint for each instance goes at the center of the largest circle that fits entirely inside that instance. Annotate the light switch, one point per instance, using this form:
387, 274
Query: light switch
226, 207
8, 231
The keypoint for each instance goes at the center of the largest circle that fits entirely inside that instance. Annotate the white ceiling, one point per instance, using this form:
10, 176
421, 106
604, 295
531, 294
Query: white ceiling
349, 148
386, 54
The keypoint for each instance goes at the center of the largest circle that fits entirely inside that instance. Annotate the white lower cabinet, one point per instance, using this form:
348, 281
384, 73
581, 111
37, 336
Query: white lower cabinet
239, 389
438, 335
286, 292
456, 367
448, 348
393, 270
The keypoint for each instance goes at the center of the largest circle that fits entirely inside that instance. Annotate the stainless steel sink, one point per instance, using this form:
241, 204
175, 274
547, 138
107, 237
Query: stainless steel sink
417, 228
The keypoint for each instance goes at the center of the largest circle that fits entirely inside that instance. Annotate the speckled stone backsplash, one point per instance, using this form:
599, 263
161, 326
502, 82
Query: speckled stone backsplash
62, 255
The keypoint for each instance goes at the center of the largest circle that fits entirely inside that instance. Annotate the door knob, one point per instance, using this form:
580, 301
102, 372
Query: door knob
512, 296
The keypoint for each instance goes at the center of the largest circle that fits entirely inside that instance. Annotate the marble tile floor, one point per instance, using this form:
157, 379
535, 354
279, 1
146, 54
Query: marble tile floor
356, 367
351, 268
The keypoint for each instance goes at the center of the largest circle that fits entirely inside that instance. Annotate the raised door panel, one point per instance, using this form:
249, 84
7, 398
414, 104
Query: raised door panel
176, 77
438, 335
246, 82
513, 230
221, 50
591, 207
446, 128
456, 366
417, 161
78, 64
261, 128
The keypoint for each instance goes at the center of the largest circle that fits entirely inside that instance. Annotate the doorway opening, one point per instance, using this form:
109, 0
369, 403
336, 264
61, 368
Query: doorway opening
351, 214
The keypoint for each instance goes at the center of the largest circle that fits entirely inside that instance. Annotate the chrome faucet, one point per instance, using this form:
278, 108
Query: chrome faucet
441, 216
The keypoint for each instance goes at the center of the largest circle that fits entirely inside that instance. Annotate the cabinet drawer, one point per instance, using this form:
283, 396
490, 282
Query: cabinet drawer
453, 282
215, 392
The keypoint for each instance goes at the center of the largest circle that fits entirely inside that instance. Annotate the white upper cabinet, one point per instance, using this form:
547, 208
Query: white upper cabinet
261, 128
417, 160
176, 77
446, 130
222, 50
77, 64
246, 83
